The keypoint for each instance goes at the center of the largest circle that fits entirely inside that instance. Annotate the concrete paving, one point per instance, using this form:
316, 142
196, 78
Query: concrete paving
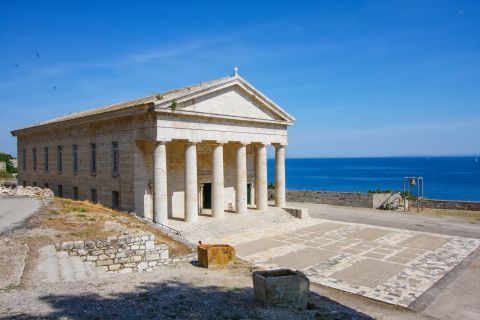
14, 210
394, 219
389, 256
392, 265
456, 295
56, 266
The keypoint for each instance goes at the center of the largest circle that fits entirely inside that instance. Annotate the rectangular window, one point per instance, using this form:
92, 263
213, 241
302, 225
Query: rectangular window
115, 200
45, 158
34, 184
75, 193
34, 158
75, 158
115, 158
93, 158
24, 159
24, 183
60, 190
59, 159
93, 195
46, 185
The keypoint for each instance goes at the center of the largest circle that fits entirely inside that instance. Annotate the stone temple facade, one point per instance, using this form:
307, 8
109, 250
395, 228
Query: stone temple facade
200, 149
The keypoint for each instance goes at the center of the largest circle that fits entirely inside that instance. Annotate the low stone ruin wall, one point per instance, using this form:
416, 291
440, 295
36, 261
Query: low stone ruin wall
350, 199
450, 204
27, 191
347, 199
124, 254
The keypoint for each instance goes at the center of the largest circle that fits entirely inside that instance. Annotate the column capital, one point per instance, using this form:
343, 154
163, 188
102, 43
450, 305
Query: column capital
279, 145
258, 144
162, 141
190, 142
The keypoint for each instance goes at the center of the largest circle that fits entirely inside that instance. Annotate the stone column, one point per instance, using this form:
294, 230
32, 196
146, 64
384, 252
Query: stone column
241, 175
191, 188
218, 205
160, 183
280, 176
261, 175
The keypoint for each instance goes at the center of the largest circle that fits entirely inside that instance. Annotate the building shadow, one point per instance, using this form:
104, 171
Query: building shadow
179, 300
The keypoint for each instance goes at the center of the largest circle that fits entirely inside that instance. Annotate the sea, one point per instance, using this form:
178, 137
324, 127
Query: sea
447, 178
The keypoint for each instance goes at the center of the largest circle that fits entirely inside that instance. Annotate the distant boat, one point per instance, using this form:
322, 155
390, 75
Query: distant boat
476, 159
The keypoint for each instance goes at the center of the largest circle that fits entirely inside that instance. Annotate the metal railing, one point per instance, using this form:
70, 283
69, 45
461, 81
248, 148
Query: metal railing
169, 229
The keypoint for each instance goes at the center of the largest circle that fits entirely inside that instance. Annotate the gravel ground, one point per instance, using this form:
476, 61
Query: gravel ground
181, 291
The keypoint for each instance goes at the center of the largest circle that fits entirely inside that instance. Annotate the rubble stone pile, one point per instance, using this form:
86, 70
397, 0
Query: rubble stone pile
27, 192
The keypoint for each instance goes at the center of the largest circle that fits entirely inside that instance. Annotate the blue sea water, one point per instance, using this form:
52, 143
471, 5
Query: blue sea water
449, 178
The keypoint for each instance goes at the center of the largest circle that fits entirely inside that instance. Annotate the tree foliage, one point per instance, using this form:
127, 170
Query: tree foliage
7, 158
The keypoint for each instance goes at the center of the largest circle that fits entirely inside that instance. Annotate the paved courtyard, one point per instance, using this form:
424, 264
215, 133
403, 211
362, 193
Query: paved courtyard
391, 265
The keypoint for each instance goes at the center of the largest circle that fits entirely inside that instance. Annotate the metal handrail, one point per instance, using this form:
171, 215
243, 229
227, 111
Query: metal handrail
170, 229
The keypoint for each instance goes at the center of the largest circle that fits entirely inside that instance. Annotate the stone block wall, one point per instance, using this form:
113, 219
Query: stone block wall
450, 204
350, 199
124, 254
102, 133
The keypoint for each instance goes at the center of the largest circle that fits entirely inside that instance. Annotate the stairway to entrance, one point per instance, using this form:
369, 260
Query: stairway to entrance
236, 228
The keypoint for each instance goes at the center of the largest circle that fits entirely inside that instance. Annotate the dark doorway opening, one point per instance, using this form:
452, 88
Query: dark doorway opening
207, 196
249, 193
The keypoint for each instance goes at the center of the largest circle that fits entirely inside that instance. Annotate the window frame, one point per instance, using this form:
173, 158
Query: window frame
115, 158
93, 195
75, 192
116, 196
75, 158
34, 158
45, 159
93, 158
59, 159
24, 159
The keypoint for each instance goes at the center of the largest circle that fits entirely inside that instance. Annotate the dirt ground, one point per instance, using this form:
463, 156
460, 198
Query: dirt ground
181, 291
177, 291
65, 220
470, 216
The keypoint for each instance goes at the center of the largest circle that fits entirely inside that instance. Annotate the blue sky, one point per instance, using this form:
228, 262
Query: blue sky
362, 78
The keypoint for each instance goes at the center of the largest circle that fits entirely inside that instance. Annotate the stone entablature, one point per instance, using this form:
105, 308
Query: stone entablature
124, 254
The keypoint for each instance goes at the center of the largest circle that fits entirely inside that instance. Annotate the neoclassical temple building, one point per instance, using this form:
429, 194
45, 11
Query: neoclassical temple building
198, 149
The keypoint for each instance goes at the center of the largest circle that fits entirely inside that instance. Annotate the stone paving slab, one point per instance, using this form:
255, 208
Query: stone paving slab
391, 265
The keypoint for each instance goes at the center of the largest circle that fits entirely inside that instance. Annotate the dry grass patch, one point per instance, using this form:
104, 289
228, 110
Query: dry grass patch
83, 220
470, 216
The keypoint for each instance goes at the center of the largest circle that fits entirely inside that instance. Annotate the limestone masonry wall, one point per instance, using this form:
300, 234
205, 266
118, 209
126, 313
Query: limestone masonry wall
122, 254
351, 199
368, 200
450, 204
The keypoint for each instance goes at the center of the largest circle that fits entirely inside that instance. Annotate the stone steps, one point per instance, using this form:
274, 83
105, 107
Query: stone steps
211, 230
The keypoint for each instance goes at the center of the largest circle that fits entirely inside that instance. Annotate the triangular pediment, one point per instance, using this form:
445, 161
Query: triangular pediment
230, 101
233, 97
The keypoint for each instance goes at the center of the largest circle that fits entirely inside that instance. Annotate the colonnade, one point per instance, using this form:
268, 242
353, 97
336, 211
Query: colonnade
218, 202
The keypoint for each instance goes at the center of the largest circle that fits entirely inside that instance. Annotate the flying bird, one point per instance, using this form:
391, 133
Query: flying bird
54, 88
37, 54
16, 65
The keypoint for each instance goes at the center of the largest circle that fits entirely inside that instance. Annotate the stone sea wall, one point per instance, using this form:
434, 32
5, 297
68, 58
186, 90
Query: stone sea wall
350, 199
124, 254
450, 204
369, 200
